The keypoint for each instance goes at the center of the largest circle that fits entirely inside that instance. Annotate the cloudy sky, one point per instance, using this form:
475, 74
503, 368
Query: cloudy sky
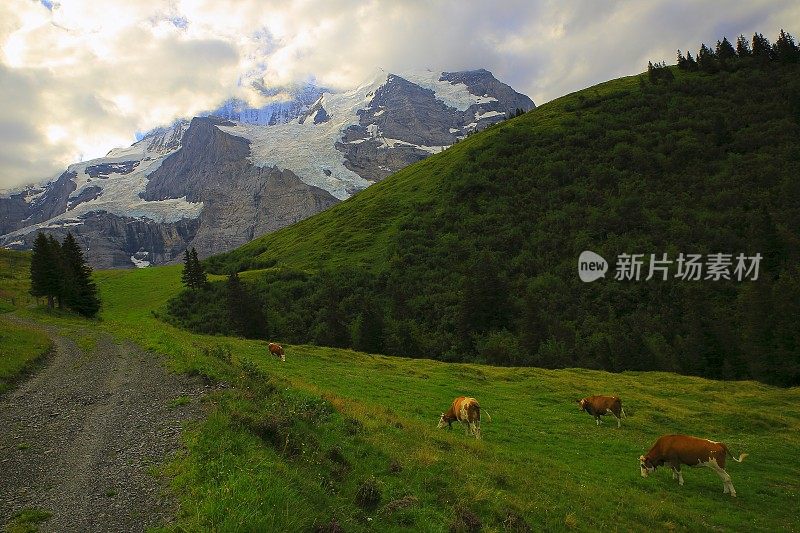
78, 77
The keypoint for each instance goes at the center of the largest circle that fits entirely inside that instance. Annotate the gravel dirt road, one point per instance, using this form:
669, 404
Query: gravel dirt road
82, 437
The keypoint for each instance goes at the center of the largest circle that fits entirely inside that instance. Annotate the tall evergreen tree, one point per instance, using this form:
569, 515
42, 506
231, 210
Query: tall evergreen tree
785, 50
45, 276
78, 289
743, 47
58, 268
199, 278
691, 64
707, 60
762, 51
725, 51
681, 61
193, 275
186, 275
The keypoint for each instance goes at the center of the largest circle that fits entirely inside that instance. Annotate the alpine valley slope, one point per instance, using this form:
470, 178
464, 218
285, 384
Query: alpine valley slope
470, 255
217, 181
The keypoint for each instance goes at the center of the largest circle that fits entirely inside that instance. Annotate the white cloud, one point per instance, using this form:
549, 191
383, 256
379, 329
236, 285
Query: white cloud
82, 77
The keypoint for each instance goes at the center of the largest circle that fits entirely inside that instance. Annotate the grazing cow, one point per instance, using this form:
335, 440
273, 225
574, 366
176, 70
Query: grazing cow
468, 412
598, 406
277, 350
677, 450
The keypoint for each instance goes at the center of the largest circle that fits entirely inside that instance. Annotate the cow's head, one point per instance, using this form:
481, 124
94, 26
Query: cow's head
581, 404
645, 466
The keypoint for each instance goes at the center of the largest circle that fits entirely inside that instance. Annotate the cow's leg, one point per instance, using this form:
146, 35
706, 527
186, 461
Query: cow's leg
727, 485
597, 420
677, 474
466, 428
478, 429
619, 422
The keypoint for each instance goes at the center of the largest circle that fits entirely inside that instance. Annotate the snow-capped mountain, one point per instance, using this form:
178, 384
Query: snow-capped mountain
215, 182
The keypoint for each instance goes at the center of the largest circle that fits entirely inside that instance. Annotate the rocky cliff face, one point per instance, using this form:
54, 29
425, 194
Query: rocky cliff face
217, 182
241, 200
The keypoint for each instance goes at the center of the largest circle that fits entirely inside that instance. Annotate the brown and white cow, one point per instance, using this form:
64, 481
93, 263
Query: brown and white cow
598, 406
677, 450
277, 350
468, 412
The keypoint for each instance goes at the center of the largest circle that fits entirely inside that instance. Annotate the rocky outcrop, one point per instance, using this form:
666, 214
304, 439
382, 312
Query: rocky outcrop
406, 122
481, 81
109, 240
15, 213
13, 210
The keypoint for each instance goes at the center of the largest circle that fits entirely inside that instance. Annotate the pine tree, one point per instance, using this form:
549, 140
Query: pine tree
651, 73
45, 277
743, 47
198, 273
71, 263
682, 61
706, 60
186, 275
725, 50
691, 64
57, 269
762, 50
78, 289
785, 50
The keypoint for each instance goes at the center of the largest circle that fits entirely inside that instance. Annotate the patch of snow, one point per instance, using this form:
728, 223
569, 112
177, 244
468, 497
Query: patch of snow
487, 114
140, 263
33, 194
454, 95
391, 143
454, 130
16, 243
379, 113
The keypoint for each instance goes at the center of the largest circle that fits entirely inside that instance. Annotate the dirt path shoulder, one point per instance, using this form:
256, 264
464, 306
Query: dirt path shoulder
79, 439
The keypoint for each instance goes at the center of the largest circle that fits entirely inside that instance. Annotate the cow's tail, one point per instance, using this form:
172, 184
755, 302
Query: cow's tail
741, 455
485, 412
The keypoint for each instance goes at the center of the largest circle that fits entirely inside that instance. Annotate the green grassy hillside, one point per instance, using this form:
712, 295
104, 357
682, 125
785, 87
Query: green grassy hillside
470, 255
302, 445
20, 346
14, 279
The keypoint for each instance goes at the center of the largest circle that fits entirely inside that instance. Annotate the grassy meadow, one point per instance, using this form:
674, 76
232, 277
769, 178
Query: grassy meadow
335, 438
20, 346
